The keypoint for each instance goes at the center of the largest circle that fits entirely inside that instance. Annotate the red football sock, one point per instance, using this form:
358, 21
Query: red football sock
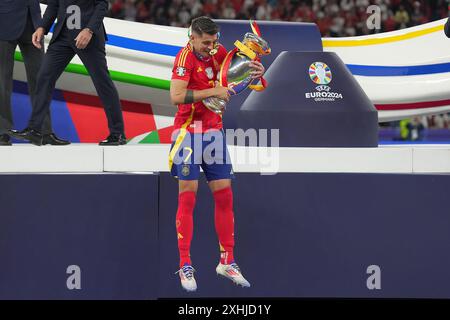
224, 220
185, 225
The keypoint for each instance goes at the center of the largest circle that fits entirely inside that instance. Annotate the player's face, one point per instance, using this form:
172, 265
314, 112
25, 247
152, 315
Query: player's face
204, 44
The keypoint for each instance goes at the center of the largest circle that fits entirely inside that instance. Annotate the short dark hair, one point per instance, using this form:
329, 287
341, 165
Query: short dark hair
204, 24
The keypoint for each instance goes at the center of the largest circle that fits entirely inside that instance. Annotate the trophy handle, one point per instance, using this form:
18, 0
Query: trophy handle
258, 87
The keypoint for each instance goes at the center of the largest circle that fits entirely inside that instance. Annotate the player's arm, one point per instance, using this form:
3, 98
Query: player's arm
50, 15
180, 94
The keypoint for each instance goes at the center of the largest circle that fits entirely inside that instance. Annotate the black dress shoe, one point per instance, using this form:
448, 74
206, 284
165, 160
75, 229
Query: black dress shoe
52, 139
114, 140
5, 140
28, 134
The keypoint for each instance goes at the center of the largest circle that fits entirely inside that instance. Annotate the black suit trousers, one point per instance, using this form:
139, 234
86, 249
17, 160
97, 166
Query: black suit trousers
60, 52
32, 58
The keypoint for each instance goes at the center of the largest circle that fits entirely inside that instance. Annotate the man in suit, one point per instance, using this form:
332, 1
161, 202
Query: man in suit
18, 21
79, 31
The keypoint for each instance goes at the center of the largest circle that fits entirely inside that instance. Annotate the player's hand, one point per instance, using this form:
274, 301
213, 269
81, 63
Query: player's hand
83, 39
37, 37
258, 69
222, 93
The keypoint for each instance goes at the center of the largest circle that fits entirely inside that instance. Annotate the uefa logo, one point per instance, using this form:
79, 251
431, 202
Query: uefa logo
320, 73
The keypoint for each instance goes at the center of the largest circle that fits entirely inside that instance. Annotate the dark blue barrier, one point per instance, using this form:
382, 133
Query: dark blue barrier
104, 224
317, 235
281, 36
297, 235
335, 112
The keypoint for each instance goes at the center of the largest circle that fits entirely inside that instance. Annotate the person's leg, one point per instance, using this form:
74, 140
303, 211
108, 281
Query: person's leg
32, 58
94, 59
224, 218
7, 49
184, 218
187, 171
219, 172
185, 229
58, 56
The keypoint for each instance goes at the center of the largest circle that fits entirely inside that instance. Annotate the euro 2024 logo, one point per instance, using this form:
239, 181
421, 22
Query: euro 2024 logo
321, 75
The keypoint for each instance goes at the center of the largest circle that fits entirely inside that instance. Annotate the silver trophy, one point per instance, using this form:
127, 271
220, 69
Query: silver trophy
235, 70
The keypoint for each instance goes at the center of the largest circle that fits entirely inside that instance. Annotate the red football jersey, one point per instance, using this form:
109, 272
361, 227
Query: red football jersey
200, 73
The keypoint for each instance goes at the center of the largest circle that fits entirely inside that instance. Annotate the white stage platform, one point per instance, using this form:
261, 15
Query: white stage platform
91, 158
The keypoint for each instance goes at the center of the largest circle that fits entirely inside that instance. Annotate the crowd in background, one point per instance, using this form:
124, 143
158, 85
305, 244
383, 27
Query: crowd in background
419, 128
335, 18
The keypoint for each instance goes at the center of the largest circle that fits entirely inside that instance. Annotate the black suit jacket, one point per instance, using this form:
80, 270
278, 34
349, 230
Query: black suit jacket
447, 28
92, 14
14, 15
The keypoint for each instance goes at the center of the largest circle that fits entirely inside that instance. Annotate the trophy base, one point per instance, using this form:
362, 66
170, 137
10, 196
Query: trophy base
214, 104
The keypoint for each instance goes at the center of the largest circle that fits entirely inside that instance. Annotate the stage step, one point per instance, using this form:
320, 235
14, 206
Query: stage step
24, 158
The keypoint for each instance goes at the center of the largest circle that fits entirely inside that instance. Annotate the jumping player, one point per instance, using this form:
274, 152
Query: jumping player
196, 130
